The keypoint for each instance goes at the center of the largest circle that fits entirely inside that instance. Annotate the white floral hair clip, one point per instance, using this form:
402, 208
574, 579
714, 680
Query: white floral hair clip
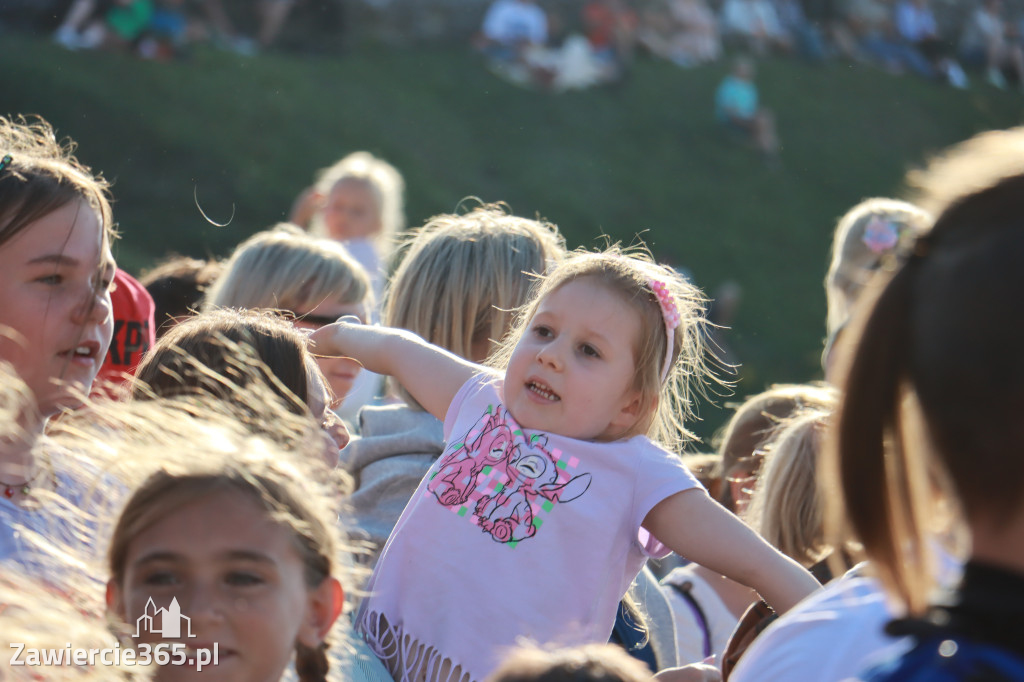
880, 235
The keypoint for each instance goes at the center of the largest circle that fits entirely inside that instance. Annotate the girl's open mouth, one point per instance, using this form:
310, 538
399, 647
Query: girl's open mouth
542, 391
87, 351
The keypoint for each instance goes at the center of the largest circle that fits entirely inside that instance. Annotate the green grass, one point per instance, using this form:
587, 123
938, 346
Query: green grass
246, 135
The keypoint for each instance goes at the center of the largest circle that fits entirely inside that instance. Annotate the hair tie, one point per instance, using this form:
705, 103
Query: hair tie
670, 314
6, 161
880, 235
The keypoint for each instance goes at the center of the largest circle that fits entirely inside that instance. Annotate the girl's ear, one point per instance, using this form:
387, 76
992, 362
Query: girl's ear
322, 609
632, 409
115, 602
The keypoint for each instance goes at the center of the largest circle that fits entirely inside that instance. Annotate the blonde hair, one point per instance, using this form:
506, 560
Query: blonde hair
385, 183
756, 419
222, 353
630, 274
586, 663
286, 269
786, 508
462, 276
36, 618
855, 257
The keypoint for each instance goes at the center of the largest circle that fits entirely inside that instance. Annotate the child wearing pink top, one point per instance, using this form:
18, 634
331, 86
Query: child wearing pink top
553, 488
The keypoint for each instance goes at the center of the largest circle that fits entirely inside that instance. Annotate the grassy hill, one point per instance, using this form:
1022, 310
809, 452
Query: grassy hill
245, 135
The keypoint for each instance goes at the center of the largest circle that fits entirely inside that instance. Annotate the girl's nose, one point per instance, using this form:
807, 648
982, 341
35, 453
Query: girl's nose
203, 604
550, 354
95, 307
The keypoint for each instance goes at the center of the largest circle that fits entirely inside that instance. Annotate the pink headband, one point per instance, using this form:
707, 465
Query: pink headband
670, 314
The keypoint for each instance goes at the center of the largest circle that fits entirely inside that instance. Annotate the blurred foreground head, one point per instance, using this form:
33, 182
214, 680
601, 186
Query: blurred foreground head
934, 373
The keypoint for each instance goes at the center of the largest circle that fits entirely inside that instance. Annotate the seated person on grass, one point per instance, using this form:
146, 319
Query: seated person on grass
736, 105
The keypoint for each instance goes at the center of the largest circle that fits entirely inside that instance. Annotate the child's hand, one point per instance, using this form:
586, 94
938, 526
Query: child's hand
431, 374
331, 340
306, 206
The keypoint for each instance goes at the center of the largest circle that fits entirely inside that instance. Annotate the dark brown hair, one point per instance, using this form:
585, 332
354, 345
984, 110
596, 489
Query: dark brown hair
934, 368
43, 175
177, 286
221, 351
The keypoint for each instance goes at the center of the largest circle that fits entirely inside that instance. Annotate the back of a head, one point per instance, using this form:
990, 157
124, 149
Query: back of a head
177, 286
228, 354
869, 233
284, 268
947, 328
462, 276
37, 621
588, 663
786, 507
756, 419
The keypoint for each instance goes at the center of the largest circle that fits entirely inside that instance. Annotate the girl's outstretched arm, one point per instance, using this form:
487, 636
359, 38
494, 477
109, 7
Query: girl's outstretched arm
431, 374
696, 527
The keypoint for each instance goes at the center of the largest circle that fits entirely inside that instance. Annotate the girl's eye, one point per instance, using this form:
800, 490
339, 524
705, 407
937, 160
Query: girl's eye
589, 351
51, 280
243, 579
543, 332
160, 578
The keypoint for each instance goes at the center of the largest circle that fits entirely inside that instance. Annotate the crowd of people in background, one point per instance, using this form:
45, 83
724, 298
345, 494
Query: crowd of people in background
520, 499
571, 45
578, 45
897, 35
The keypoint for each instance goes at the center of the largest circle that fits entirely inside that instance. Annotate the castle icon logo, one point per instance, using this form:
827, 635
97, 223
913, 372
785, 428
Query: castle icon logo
166, 622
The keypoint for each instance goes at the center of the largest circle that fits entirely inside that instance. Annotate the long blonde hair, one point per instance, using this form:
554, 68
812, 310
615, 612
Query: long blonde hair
283, 268
786, 508
462, 276
159, 453
170, 452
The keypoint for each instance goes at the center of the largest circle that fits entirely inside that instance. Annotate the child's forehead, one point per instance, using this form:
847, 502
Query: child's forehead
598, 305
352, 182
588, 286
226, 515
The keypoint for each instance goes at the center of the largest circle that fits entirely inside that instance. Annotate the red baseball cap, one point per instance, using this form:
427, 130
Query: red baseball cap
134, 332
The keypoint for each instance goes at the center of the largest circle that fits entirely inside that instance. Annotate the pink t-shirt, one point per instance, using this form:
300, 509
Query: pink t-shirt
512, 534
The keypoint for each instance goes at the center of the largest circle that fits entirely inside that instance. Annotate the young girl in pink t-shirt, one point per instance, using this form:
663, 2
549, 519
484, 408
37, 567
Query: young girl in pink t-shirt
554, 486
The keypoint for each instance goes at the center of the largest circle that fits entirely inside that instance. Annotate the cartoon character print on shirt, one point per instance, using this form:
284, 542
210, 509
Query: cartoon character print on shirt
504, 481
486, 445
